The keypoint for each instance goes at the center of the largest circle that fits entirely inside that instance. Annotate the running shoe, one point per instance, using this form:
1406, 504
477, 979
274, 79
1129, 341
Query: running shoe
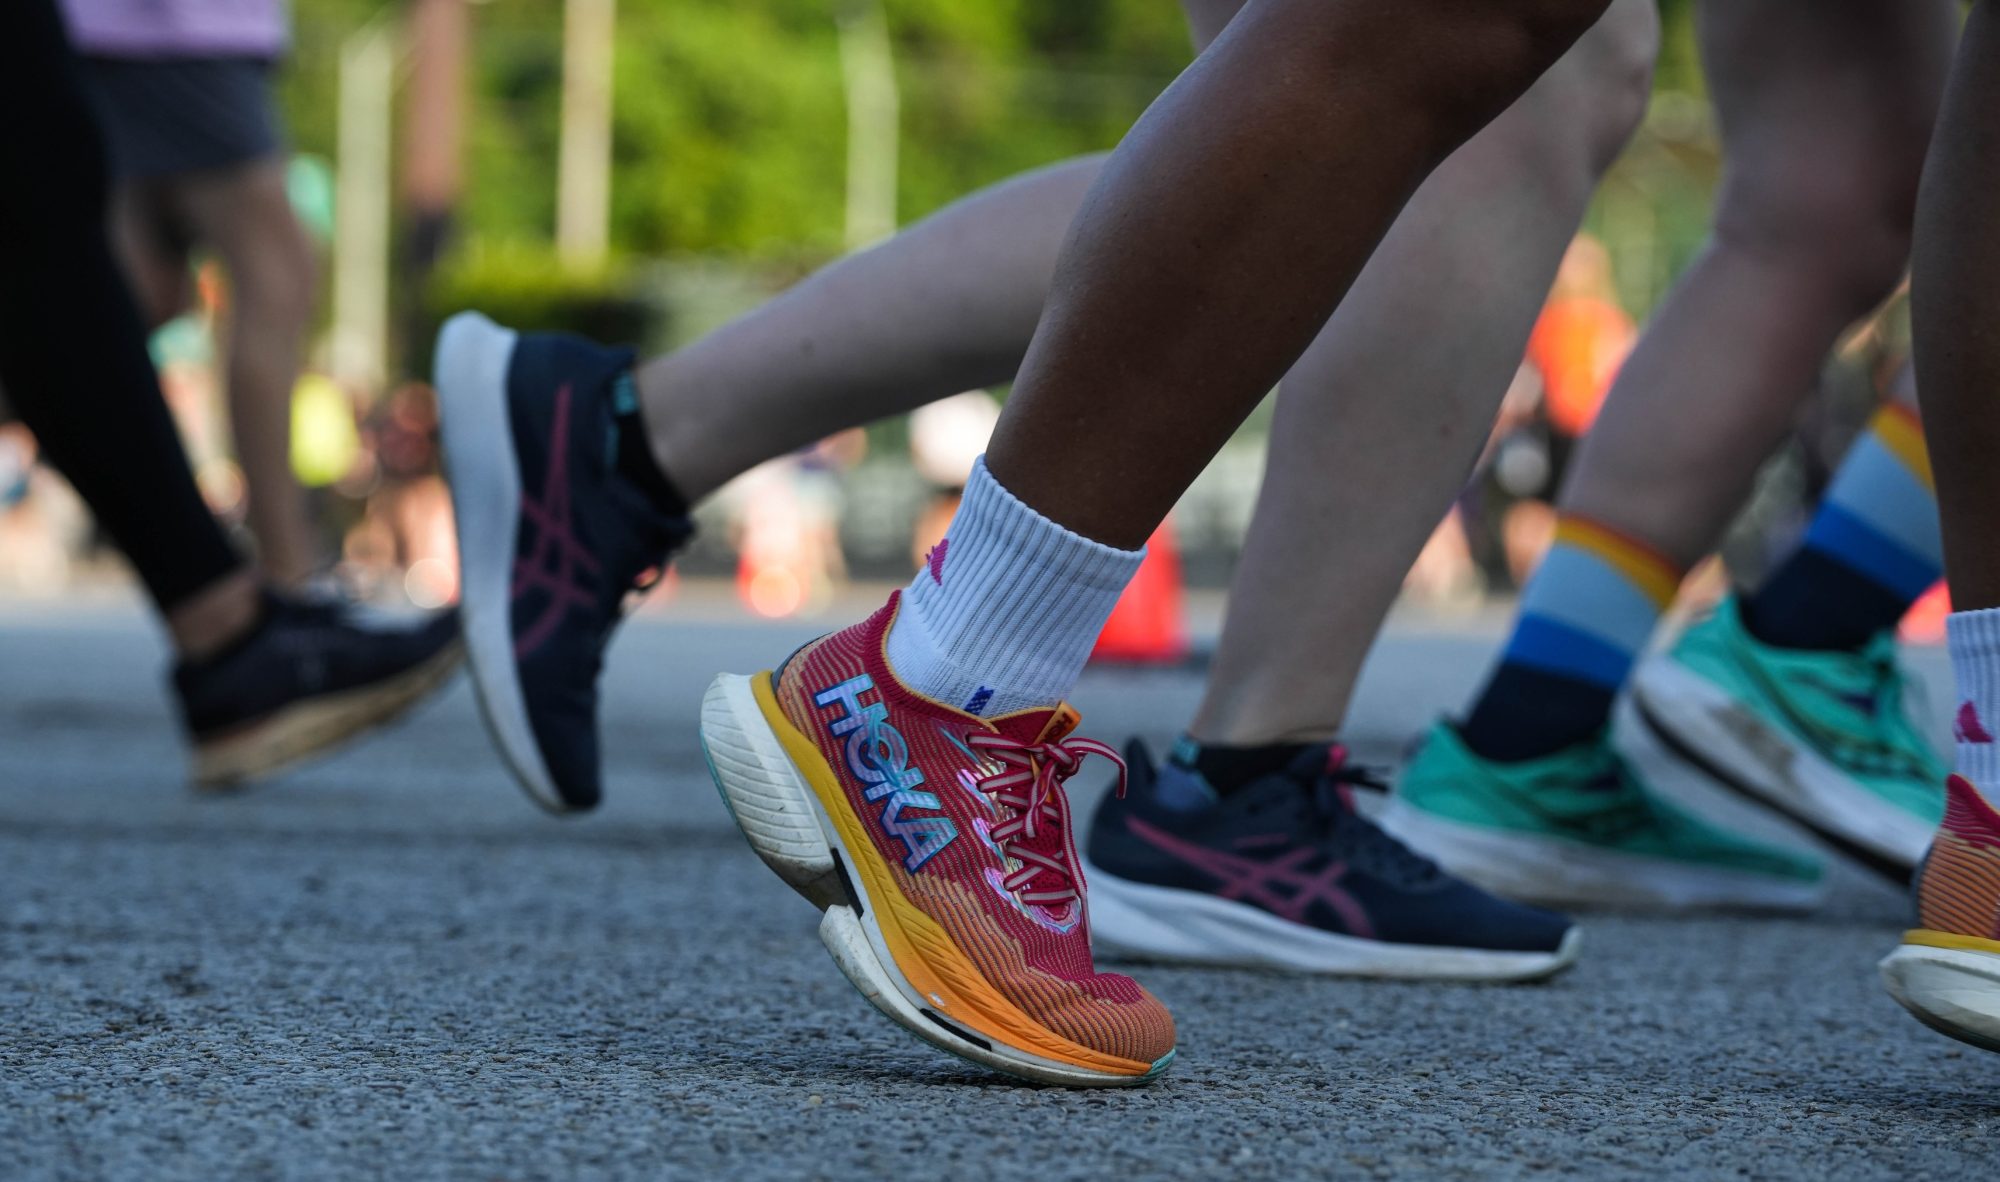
309, 678
1947, 971
551, 538
1823, 738
1285, 873
938, 845
1581, 828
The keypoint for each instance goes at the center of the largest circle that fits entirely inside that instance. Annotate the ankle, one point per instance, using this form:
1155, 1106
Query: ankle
1003, 616
1526, 713
635, 458
1229, 767
217, 616
1973, 638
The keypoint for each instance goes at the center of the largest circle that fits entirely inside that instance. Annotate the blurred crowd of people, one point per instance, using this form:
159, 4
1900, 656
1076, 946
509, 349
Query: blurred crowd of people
375, 518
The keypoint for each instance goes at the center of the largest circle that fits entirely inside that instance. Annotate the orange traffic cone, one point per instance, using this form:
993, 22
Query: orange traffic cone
1147, 627
1925, 622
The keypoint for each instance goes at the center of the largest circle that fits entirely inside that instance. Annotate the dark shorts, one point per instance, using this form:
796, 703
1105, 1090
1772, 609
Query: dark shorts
162, 118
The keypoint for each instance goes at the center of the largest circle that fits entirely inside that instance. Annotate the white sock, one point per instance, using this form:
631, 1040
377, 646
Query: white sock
1004, 614
1974, 639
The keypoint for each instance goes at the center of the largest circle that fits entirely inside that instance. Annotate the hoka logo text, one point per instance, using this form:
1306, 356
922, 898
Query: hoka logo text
879, 757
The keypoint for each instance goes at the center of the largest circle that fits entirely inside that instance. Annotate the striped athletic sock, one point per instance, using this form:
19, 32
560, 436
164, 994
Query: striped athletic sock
1872, 549
1584, 618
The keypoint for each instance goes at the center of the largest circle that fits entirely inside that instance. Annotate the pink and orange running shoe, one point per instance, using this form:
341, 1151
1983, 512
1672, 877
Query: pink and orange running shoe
938, 845
1947, 971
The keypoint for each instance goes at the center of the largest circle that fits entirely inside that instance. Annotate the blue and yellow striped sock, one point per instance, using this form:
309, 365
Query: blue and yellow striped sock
1584, 618
1872, 549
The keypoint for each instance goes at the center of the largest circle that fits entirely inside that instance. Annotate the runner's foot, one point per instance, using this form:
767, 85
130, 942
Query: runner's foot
309, 678
552, 538
938, 845
1284, 873
1947, 971
1580, 828
1823, 738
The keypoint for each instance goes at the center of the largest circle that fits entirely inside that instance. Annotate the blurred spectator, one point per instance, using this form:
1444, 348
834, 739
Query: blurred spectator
403, 545
184, 92
1573, 358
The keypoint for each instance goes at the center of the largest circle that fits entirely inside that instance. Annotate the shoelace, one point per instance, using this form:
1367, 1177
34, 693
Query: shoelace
1621, 806
1891, 746
1883, 748
1029, 783
1361, 840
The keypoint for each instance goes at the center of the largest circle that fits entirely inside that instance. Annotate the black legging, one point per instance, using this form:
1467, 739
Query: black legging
72, 348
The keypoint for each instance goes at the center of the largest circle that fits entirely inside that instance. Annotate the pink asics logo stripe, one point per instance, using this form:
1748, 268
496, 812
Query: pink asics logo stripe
1256, 882
1967, 728
552, 566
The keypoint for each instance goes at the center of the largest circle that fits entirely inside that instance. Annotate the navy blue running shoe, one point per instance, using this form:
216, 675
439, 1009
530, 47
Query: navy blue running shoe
307, 679
1284, 873
551, 538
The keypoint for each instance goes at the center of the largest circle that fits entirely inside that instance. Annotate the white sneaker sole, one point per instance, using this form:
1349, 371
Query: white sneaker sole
1140, 921
1569, 874
1706, 726
1955, 992
785, 823
483, 473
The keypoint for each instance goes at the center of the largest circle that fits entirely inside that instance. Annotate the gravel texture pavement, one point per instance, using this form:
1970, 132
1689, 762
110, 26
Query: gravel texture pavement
391, 965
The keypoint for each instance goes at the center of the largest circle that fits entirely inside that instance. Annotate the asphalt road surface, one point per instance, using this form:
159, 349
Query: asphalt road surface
391, 965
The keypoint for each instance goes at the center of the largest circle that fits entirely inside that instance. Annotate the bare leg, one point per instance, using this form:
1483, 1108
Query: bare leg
947, 305
214, 617
1379, 422
1957, 315
245, 215
155, 265
1826, 112
1944, 971
1230, 223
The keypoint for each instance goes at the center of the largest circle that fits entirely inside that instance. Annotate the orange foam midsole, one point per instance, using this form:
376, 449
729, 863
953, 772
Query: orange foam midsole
924, 953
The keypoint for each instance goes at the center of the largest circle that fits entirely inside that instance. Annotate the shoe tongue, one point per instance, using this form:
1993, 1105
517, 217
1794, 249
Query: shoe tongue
1050, 725
1317, 761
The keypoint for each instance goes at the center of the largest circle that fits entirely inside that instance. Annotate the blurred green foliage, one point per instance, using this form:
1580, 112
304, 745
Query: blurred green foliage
523, 287
730, 129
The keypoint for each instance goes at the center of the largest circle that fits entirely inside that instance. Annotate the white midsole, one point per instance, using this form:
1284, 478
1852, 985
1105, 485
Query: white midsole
484, 475
1953, 990
1144, 921
1788, 775
785, 823
1560, 873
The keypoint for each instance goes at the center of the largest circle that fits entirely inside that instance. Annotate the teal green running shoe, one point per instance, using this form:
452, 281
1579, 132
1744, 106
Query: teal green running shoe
1579, 828
1823, 738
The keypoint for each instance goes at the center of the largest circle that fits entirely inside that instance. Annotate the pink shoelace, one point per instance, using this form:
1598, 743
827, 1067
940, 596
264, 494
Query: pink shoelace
1030, 784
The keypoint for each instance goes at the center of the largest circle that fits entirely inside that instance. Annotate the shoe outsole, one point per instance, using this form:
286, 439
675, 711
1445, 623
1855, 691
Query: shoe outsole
1955, 992
1572, 876
483, 473
1140, 921
781, 816
316, 726
1683, 710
